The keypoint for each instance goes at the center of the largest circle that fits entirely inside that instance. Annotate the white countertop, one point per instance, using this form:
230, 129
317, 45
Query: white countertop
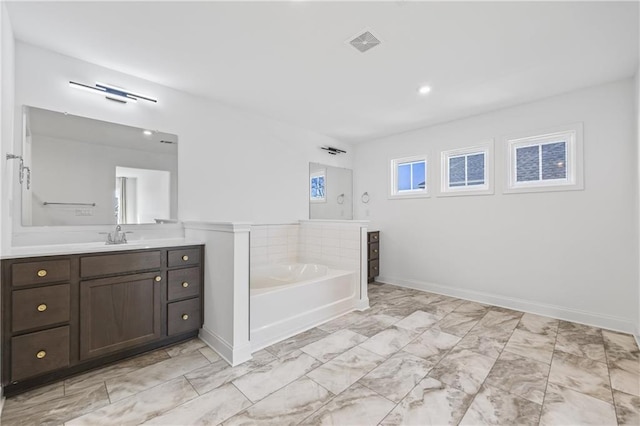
65, 249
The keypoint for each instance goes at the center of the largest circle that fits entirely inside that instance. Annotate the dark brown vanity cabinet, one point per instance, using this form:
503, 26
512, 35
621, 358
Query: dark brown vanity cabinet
373, 255
66, 314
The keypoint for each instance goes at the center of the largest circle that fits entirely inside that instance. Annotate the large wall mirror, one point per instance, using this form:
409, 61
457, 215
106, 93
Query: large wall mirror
81, 171
330, 192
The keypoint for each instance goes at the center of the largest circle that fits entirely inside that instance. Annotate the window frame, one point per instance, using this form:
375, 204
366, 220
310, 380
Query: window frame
485, 148
572, 135
316, 174
393, 178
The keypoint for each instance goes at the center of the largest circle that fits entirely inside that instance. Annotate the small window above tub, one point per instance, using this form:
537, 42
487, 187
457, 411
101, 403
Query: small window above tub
409, 177
317, 184
467, 171
548, 161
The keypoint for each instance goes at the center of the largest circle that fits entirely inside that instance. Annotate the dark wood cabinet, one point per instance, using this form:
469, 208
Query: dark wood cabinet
373, 255
62, 315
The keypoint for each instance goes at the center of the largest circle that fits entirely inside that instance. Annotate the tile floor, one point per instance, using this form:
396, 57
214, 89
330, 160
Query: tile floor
414, 358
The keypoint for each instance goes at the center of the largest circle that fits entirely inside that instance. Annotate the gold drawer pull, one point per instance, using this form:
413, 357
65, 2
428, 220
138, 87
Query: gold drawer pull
158, 278
42, 307
185, 284
41, 354
185, 317
375, 251
185, 257
375, 237
42, 273
375, 268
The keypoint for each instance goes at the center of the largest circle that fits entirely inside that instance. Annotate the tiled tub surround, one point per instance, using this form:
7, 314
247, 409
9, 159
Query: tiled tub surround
413, 358
282, 311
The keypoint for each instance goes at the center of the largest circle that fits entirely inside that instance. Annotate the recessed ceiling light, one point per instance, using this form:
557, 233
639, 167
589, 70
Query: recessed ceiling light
148, 132
423, 90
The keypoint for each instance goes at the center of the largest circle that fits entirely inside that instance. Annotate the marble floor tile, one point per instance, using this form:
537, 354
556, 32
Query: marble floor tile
457, 324
267, 379
581, 341
141, 407
463, 369
624, 380
431, 402
485, 341
355, 406
341, 322
209, 354
582, 375
185, 347
346, 369
432, 345
538, 324
620, 346
473, 309
57, 410
443, 306
395, 377
507, 311
99, 376
137, 381
34, 397
519, 376
219, 373
418, 321
294, 343
564, 406
398, 310
627, 408
389, 341
373, 324
333, 345
492, 406
499, 319
531, 345
209, 409
288, 406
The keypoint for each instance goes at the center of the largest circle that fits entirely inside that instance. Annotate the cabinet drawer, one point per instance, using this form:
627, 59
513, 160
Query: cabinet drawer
93, 266
374, 250
374, 268
183, 316
373, 237
39, 307
183, 283
46, 271
38, 353
183, 257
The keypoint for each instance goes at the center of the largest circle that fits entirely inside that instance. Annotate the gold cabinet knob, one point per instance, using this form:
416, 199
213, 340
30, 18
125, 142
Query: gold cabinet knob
41, 354
185, 257
375, 268
42, 273
375, 237
375, 251
42, 307
185, 284
185, 317
158, 278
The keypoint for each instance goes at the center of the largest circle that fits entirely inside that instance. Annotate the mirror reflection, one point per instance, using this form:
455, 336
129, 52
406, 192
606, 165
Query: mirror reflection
330, 192
92, 172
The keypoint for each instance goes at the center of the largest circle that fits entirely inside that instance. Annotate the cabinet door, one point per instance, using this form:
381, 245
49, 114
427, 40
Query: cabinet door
118, 313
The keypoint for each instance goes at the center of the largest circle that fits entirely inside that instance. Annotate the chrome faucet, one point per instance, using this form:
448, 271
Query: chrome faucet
117, 236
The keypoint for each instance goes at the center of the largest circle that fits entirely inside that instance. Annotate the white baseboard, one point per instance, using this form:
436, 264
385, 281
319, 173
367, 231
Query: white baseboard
233, 355
554, 311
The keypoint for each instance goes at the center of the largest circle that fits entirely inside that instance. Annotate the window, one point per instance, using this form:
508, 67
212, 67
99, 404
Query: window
546, 162
409, 177
466, 171
317, 182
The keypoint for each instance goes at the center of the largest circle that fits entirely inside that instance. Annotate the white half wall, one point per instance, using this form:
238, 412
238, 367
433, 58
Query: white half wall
570, 254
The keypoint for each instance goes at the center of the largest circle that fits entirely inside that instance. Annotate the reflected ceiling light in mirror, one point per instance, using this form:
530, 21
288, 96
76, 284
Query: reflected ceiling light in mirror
112, 93
147, 132
423, 90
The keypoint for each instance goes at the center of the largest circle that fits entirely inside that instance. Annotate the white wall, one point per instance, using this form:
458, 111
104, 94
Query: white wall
150, 195
637, 115
570, 254
232, 165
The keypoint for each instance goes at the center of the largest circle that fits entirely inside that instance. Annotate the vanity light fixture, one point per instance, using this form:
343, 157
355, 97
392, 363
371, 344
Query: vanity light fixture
423, 90
332, 150
112, 93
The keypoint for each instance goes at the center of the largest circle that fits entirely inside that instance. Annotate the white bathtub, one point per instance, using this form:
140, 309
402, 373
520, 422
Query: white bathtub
287, 299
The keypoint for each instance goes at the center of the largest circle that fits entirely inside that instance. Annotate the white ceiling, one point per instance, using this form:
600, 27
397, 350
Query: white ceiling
289, 60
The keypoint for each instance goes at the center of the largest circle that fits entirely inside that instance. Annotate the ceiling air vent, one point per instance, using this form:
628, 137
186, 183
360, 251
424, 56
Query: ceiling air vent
365, 41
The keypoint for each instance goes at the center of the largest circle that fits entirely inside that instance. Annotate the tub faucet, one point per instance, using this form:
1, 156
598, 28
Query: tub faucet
117, 236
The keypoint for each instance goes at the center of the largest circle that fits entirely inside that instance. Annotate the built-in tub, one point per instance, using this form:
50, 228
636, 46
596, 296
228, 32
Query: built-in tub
287, 299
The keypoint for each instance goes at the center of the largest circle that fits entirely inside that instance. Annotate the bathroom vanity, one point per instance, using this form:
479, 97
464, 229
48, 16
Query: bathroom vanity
65, 314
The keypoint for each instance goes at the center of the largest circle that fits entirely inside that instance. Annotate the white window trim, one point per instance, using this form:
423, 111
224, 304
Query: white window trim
393, 178
486, 189
575, 160
318, 173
